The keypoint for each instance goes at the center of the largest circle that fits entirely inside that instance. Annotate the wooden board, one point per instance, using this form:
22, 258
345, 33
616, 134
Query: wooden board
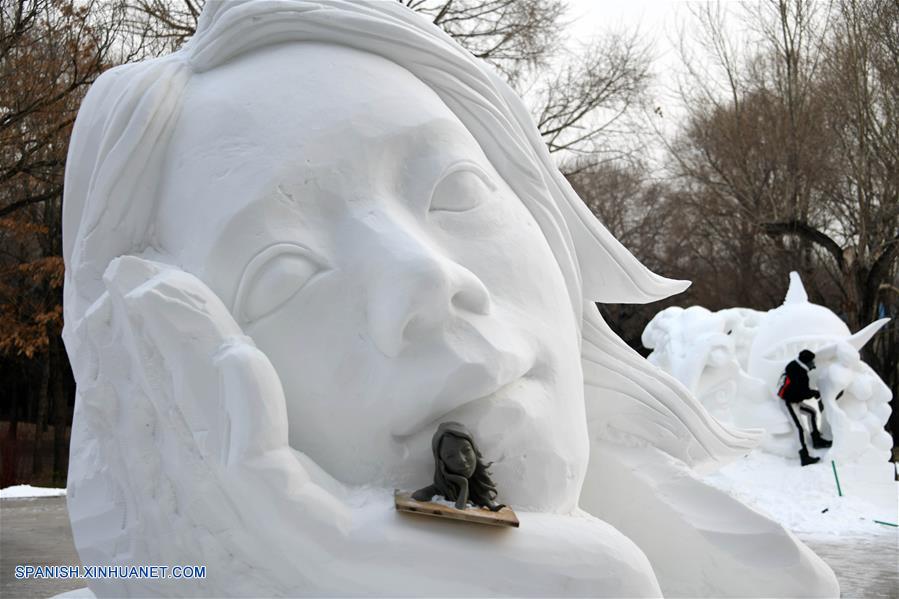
404, 503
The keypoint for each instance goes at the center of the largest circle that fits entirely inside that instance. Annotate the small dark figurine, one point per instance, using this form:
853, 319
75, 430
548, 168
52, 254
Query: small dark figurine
794, 389
460, 473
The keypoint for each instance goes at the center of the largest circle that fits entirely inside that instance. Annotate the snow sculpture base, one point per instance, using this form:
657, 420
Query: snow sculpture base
404, 503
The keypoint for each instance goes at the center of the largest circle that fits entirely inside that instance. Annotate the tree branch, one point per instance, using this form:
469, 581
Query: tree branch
806, 231
37, 199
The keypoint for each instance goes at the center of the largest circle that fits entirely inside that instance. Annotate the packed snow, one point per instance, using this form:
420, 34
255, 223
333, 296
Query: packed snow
27, 491
807, 501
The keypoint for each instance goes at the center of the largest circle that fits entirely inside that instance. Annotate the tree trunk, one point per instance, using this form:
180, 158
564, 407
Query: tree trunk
10, 464
851, 303
40, 421
60, 417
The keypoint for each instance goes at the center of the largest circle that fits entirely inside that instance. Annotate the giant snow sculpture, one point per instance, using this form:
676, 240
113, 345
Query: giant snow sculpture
295, 246
732, 361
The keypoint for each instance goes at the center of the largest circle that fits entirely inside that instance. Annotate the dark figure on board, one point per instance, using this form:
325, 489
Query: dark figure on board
794, 390
460, 473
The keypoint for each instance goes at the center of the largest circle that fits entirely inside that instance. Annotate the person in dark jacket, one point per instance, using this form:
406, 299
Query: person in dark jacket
794, 390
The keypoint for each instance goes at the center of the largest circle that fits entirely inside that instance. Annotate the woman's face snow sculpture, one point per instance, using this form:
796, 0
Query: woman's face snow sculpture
267, 230
376, 257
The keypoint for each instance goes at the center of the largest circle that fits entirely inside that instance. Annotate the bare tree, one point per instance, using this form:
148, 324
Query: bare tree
50, 52
634, 209
753, 140
162, 25
583, 98
861, 235
515, 36
586, 108
788, 156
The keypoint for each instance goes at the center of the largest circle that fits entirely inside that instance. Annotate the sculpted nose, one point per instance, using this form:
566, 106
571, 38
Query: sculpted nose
418, 294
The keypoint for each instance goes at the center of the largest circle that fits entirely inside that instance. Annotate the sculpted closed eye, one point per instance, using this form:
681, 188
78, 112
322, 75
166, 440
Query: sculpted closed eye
272, 277
464, 187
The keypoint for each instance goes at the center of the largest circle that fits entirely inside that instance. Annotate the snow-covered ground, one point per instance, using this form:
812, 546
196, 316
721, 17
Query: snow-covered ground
806, 500
25, 491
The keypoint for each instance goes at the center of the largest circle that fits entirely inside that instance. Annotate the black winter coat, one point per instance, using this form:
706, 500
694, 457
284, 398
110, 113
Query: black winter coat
795, 387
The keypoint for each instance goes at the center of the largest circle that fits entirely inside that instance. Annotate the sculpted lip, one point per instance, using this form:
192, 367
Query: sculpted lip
467, 384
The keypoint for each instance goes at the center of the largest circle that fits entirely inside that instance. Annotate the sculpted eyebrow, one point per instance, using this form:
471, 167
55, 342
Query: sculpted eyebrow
431, 151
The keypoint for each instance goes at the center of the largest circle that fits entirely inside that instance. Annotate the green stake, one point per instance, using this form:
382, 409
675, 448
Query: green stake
836, 477
887, 523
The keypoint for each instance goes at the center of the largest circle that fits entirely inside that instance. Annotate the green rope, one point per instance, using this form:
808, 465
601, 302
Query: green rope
887, 523
836, 477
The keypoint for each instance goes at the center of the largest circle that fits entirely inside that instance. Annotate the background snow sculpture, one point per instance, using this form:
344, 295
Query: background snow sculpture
295, 246
707, 351
732, 360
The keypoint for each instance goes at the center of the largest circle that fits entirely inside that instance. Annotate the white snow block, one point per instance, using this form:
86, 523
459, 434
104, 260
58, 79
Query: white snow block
701, 541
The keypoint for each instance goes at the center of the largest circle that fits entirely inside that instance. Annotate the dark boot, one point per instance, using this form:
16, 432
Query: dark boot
819, 442
807, 459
